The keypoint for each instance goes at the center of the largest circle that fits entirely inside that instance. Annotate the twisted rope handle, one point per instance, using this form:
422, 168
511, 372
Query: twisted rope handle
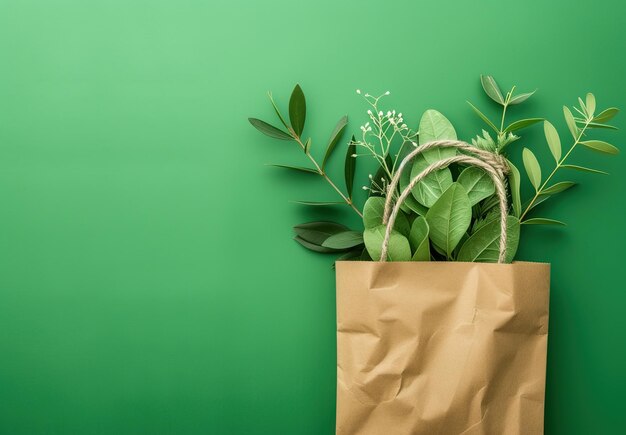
494, 164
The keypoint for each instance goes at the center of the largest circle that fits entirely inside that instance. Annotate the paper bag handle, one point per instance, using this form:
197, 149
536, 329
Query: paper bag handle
493, 164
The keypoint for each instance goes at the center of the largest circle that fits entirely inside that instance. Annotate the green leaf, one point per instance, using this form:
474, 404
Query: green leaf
280, 116
297, 110
522, 123
606, 115
307, 146
554, 141
269, 130
477, 184
334, 138
558, 188
373, 211
600, 146
435, 126
590, 103
583, 169
520, 98
399, 249
418, 239
350, 166
515, 181
484, 244
405, 178
484, 117
314, 247
320, 203
597, 125
449, 218
354, 255
532, 168
344, 240
571, 123
491, 89
318, 232
430, 189
542, 221
297, 168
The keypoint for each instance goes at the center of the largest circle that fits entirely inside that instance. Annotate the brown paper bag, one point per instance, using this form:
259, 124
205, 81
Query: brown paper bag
441, 347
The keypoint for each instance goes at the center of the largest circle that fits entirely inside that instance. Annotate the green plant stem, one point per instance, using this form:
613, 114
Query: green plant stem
556, 168
321, 172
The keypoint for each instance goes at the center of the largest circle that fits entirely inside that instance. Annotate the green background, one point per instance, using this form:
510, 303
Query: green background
148, 280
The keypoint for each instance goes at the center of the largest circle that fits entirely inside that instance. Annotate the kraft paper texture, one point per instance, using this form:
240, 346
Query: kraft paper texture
441, 347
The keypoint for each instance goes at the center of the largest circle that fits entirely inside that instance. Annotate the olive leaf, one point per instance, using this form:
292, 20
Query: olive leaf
418, 239
590, 104
484, 244
522, 123
521, 98
297, 168
350, 166
491, 89
554, 142
571, 123
557, 188
269, 130
484, 117
600, 146
449, 218
398, 248
314, 247
584, 169
334, 138
606, 115
514, 184
318, 232
344, 240
297, 110
532, 168
477, 184
542, 221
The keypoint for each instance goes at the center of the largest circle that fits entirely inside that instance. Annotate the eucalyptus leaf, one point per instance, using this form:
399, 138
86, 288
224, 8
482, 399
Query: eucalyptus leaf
314, 247
600, 146
334, 138
491, 89
269, 130
484, 117
554, 142
318, 232
521, 98
542, 221
344, 240
350, 167
298, 169
522, 123
606, 115
484, 244
571, 123
398, 250
557, 187
532, 168
297, 110
514, 183
477, 184
418, 239
449, 218
584, 169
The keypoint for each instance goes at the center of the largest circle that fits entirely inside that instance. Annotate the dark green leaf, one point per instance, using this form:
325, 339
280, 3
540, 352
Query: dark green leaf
491, 89
334, 138
354, 255
269, 130
297, 168
606, 115
307, 146
542, 221
280, 116
558, 188
297, 110
521, 98
318, 232
314, 247
532, 168
600, 146
483, 117
344, 240
320, 203
522, 123
484, 244
583, 169
350, 166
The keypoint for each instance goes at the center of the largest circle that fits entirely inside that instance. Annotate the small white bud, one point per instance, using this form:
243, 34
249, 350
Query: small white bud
369, 112
358, 91
400, 114
365, 188
380, 113
403, 125
370, 176
387, 93
354, 155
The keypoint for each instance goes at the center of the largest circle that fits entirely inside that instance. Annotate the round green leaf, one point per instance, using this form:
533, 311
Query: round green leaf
477, 184
399, 249
449, 218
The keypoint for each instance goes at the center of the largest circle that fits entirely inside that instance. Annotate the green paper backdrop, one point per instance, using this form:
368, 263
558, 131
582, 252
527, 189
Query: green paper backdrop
148, 280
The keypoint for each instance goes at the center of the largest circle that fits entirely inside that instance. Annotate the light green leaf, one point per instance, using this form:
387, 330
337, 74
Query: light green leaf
484, 118
606, 115
521, 98
598, 125
318, 232
571, 123
514, 182
554, 141
297, 168
484, 244
435, 126
557, 188
532, 168
373, 211
522, 123
491, 89
428, 191
477, 184
449, 218
601, 146
297, 110
418, 239
542, 221
314, 247
350, 167
334, 138
590, 104
399, 249
269, 130
583, 169
344, 240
